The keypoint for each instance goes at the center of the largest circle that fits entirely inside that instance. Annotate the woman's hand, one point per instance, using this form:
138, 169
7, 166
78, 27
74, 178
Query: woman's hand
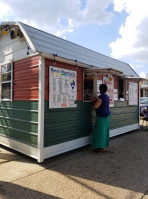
94, 100
98, 103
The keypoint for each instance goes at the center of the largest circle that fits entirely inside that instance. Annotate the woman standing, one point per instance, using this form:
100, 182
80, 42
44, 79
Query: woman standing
101, 130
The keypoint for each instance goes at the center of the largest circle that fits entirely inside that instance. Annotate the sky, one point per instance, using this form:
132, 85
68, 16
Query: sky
116, 28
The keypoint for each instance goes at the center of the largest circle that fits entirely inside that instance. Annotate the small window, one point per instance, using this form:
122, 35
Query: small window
121, 89
88, 88
6, 81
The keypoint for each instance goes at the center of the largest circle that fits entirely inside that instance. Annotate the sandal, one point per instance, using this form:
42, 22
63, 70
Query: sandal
100, 150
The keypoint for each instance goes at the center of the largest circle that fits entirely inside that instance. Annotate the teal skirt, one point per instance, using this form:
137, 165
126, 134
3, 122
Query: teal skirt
101, 132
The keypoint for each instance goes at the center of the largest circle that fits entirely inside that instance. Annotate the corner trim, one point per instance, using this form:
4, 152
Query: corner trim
41, 108
27, 37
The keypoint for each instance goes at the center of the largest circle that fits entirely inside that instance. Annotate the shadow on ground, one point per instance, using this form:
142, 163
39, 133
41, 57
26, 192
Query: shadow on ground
16, 191
124, 166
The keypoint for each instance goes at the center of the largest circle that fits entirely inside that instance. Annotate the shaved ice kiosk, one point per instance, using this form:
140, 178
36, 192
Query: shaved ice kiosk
46, 86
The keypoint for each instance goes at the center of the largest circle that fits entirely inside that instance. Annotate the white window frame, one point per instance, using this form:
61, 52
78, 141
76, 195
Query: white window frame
11, 81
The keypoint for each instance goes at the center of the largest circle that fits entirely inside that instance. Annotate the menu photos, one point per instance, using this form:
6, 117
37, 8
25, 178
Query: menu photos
110, 91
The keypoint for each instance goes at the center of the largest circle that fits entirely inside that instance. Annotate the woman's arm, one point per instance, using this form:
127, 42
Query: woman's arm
98, 103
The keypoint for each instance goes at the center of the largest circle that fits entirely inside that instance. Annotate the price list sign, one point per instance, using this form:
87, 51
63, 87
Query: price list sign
62, 87
133, 93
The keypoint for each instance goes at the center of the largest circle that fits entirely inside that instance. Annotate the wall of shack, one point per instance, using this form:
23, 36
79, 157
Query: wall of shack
66, 124
19, 118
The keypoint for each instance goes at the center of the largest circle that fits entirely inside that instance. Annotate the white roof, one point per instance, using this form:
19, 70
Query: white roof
40, 41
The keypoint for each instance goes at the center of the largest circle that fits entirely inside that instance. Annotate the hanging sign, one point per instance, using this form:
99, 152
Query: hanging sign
133, 93
62, 87
110, 89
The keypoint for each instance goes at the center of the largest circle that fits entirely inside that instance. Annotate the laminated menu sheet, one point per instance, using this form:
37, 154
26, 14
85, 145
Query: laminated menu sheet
62, 87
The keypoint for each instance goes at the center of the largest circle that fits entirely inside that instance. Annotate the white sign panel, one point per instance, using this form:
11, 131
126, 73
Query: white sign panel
62, 87
110, 89
133, 93
98, 86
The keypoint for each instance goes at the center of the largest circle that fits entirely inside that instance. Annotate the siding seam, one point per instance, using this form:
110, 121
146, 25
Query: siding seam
1, 135
19, 79
18, 89
27, 110
20, 69
71, 129
30, 133
27, 121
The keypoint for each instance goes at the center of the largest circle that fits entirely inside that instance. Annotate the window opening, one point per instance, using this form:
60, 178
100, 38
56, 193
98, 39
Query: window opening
88, 88
121, 89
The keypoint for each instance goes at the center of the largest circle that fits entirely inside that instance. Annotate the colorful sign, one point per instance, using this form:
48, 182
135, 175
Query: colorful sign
62, 87
109, 81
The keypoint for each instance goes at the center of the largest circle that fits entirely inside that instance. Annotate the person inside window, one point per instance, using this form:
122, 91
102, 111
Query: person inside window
120, 94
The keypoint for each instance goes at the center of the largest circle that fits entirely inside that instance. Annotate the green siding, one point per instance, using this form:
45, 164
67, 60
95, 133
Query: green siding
62, 125
66, 124
19, 121
123, 115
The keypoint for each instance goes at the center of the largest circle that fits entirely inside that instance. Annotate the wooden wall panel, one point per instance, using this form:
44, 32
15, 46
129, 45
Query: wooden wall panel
19, 121
64, 125
65, 66
25, 79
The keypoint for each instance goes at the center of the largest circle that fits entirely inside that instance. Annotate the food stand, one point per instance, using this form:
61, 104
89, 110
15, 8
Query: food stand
46, 88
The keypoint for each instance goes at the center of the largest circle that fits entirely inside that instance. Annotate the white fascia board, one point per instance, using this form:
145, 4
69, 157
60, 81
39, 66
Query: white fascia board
144, 86
132, 78
64, 60
9, 23
27, 38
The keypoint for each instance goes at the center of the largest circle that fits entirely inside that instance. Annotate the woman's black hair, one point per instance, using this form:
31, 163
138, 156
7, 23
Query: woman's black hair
103, 88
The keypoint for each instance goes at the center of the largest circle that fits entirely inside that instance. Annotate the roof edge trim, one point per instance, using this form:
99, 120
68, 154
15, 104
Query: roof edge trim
65, 60
27, 37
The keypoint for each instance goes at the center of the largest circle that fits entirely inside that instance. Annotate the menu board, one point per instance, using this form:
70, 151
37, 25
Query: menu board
110, 89
133, 93
62, 87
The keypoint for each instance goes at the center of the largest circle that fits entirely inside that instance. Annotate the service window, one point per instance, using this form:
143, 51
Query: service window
89, 91
6, 82
122, 93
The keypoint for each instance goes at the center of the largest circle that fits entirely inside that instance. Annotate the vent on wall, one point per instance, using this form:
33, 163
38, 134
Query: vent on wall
15, 33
